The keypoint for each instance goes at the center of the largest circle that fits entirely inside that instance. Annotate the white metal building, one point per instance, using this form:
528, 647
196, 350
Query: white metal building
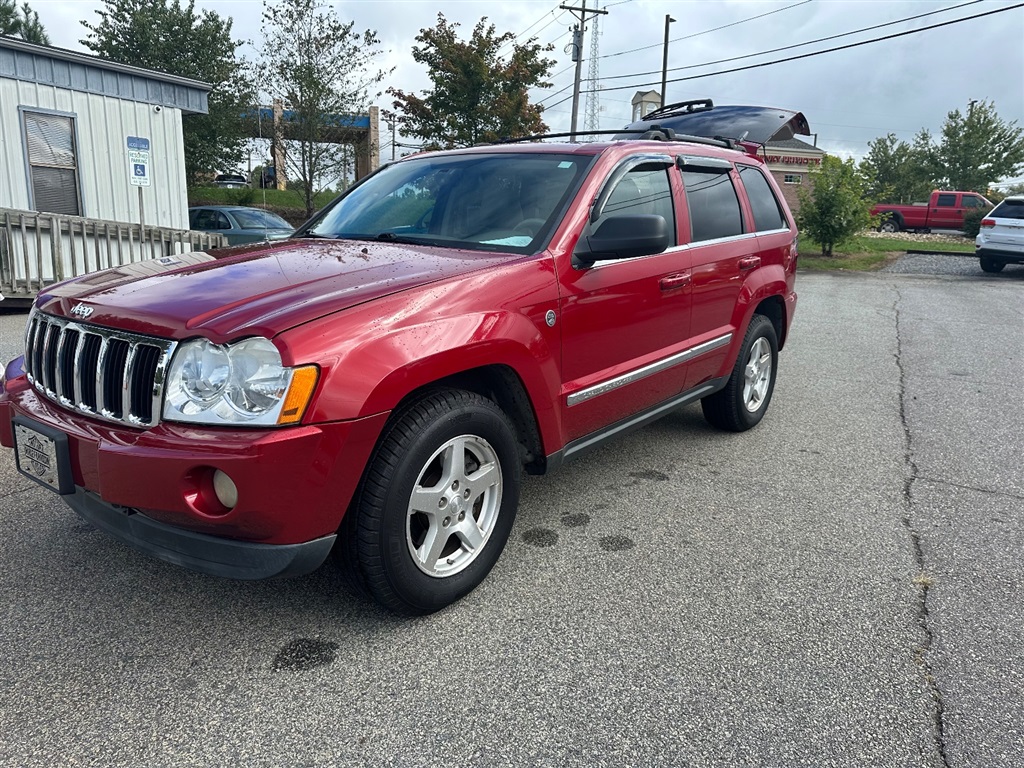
93, 150
66, 120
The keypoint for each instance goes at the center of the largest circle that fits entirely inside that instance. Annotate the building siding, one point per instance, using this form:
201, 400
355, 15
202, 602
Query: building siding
102, 124
104, 78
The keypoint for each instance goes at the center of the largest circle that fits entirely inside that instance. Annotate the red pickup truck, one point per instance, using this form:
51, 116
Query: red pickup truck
944, 210
378, 383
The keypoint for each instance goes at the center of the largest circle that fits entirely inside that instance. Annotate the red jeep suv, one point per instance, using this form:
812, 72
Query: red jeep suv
377, 384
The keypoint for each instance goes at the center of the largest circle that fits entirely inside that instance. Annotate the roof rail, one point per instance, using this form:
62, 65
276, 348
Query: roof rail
651, 133
681, 108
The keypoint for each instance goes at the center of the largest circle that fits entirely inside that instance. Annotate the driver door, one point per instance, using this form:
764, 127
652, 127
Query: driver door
624, 322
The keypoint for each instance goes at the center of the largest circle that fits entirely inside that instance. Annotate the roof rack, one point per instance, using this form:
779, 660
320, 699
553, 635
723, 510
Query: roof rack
651, 133
681, 108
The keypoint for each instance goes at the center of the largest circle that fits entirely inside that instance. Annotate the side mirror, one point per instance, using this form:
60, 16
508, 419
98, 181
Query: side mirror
623, 237
223, 224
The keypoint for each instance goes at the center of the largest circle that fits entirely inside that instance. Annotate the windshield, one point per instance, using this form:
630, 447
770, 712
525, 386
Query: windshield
256, 219
503, 202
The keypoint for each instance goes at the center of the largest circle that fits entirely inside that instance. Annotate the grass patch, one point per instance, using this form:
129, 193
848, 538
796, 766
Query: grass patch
279, 198
864, 254
858, 262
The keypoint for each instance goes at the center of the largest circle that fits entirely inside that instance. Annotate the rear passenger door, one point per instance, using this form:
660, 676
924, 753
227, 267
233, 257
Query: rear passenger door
722, 253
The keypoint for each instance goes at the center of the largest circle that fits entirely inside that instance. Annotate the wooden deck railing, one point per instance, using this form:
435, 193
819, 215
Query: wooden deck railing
32, 257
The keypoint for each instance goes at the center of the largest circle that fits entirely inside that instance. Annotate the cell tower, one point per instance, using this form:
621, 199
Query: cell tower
592, 119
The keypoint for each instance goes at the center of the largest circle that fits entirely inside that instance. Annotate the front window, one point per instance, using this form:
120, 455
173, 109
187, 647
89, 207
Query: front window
52, 162
642, 189
501, 202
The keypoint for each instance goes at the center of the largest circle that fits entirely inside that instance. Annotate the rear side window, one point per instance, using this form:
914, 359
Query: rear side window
1008, 209
714, 207
764, 204
947, 201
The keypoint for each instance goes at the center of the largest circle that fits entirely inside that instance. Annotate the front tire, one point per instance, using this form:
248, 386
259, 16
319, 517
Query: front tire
889, 225
436, 505
991, 265
742, 403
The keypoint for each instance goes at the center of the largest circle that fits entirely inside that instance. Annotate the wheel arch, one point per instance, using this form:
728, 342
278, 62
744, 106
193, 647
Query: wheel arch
764, 293
501, 384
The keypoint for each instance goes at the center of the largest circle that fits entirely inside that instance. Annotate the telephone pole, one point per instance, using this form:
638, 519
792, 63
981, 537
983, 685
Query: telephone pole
577, 55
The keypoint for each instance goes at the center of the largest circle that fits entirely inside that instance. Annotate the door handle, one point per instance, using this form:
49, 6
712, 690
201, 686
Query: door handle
750, 262
671, 282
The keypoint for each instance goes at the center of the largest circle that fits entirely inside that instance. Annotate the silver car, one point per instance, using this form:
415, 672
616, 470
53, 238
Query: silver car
1001, 238
238, 223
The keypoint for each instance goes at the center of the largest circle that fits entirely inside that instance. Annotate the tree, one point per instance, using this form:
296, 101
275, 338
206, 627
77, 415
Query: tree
477, 94
976, 149
23, 23
167, 36
895, 171
323, 71
834, 209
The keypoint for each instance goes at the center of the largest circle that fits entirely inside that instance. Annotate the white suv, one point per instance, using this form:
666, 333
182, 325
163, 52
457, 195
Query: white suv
1001, 239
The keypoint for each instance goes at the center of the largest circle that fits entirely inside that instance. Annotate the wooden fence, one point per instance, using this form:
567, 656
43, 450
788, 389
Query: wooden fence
32, 256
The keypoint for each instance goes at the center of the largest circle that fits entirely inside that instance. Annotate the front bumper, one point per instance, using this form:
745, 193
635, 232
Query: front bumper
213, 555
294, 484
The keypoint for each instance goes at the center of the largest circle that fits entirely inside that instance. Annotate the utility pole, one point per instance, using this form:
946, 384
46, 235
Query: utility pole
664, 60
577, 55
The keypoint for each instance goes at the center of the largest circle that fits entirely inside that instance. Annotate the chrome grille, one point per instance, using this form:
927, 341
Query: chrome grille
109, 374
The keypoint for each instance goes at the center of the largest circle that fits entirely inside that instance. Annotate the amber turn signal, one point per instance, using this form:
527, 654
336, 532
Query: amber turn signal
299, 393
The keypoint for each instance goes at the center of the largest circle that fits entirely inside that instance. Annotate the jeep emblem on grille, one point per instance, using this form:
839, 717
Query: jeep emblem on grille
81, 310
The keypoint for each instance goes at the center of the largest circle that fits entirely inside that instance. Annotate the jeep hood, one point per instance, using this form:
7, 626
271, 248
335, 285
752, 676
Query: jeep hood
263, 290
758, 125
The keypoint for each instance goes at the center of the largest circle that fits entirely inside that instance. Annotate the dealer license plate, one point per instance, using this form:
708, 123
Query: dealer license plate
42, 454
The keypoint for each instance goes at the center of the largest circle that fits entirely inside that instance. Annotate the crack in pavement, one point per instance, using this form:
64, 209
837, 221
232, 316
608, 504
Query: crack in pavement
987, 491
922, 581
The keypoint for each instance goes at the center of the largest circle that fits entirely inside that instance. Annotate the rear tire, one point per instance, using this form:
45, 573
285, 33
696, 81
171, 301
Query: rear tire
742, 403
991, 265
436, 504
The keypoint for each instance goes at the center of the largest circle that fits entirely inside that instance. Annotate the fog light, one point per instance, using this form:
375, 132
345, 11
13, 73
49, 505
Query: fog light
224, 487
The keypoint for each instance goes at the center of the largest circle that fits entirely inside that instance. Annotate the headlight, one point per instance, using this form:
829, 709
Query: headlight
237, 384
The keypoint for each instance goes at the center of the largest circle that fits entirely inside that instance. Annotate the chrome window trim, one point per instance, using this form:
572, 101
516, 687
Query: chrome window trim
630, 377
729, 239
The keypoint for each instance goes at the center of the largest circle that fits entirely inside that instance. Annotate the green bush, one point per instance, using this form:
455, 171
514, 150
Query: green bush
972, 221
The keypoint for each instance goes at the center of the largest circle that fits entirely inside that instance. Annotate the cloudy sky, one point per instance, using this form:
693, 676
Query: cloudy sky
850, 96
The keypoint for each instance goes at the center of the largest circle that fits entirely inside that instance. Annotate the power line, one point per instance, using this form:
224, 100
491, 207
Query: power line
706, 31
819, 53
552, 21
798, 45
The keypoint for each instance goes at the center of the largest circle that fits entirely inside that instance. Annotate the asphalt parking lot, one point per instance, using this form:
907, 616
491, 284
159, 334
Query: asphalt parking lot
839, 587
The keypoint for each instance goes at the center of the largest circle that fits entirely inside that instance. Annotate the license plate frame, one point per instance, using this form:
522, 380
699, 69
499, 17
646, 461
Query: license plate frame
41, 454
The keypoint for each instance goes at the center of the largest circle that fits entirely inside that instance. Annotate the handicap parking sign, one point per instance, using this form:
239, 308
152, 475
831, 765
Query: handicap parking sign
138, 161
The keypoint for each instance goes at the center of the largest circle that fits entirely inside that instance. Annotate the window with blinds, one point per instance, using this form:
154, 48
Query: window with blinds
52, 163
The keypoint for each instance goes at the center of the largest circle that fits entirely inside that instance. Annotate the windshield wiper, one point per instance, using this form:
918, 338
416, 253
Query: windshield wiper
315, 236
394, 237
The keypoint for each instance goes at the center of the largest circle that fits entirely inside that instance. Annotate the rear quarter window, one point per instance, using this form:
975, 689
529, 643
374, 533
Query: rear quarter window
763, 203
